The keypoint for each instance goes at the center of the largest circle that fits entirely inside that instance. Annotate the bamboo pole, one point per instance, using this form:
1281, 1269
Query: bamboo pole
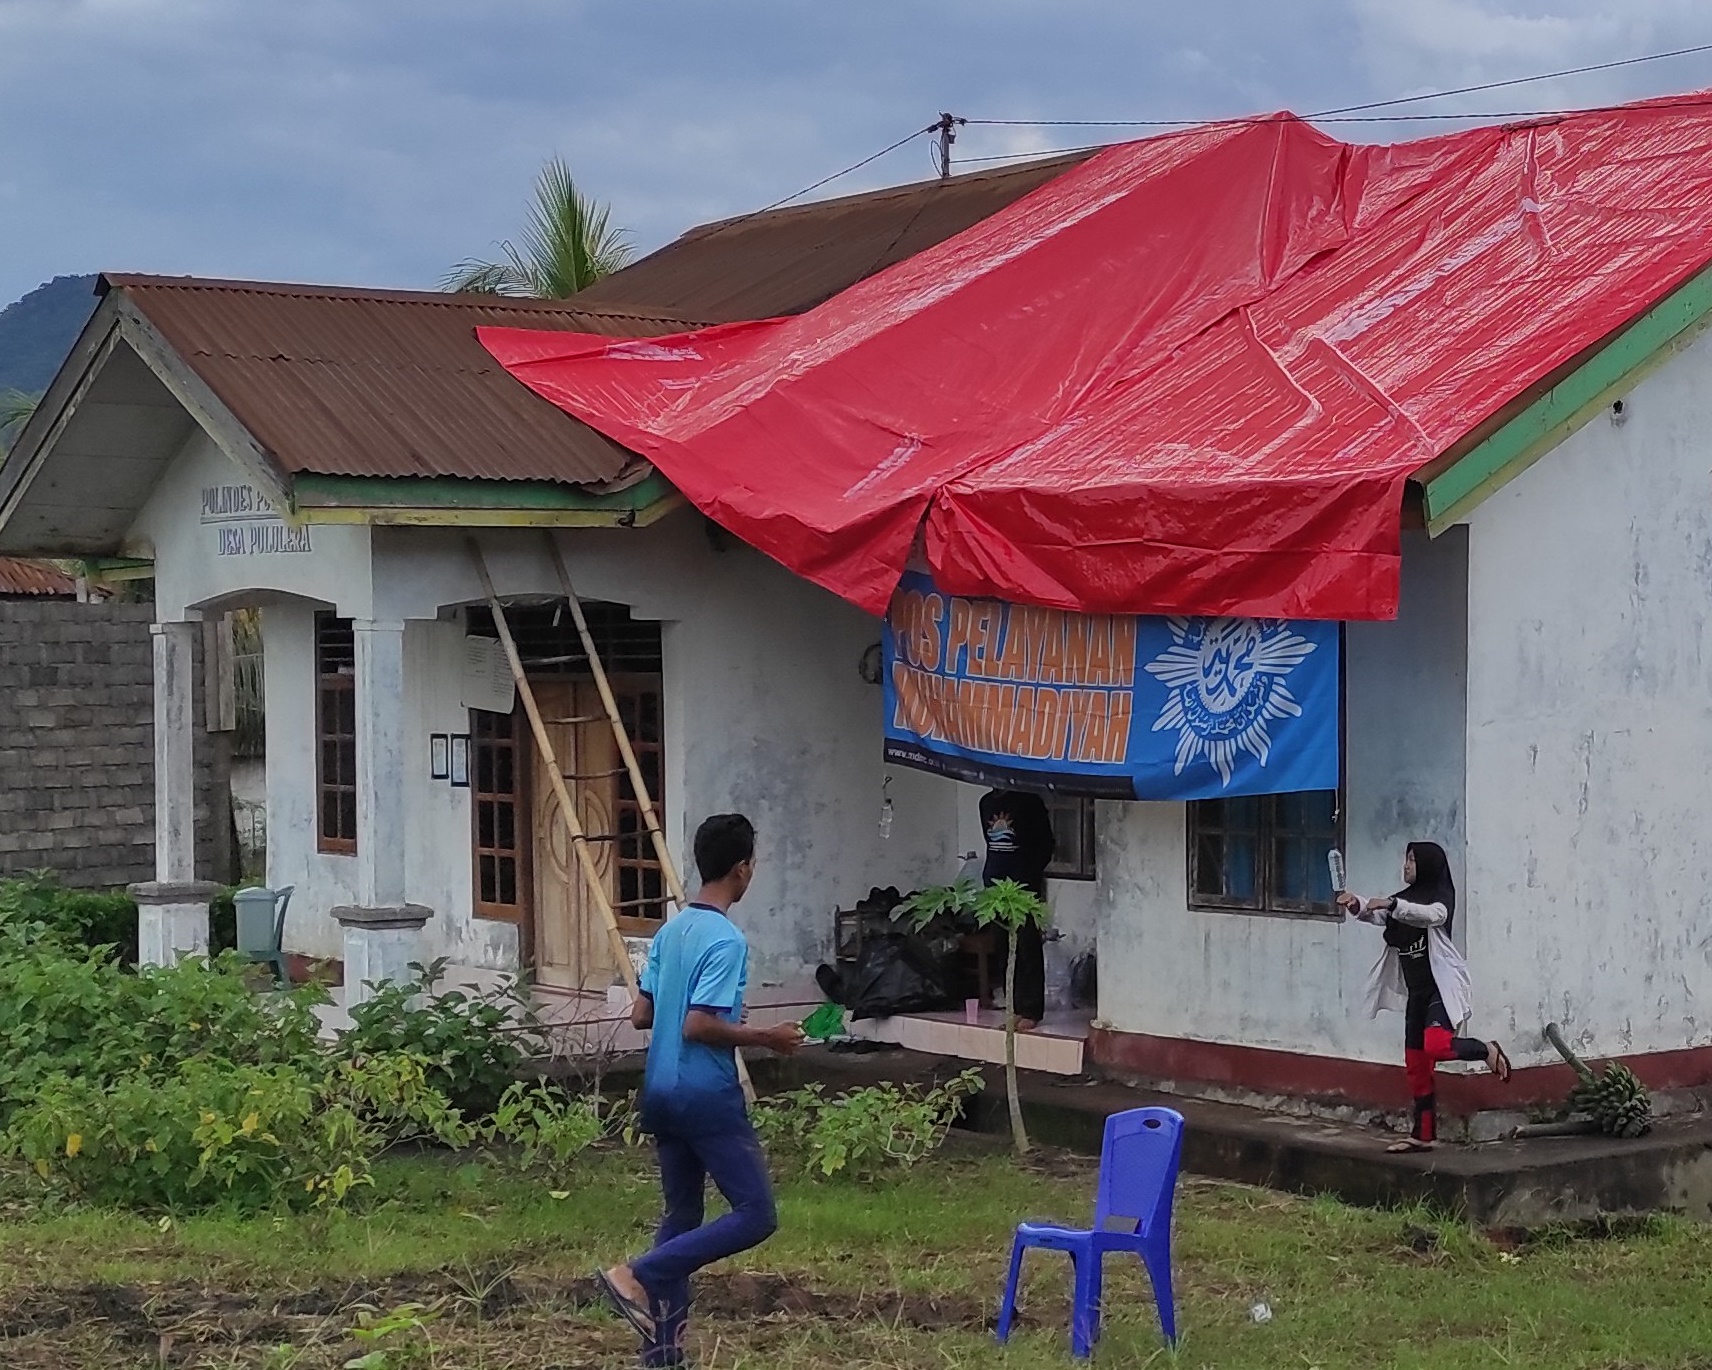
573, 823
644, 799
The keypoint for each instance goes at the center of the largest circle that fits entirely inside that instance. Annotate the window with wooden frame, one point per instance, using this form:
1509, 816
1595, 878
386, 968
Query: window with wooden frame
1073, 837
1264, 853
1267, 853
500, 814
642, 893
335, 735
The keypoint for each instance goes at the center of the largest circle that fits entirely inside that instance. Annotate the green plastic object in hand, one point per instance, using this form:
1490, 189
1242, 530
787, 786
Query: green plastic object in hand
825, 1022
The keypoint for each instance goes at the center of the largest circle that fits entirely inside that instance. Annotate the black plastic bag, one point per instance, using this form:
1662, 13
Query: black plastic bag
896, 973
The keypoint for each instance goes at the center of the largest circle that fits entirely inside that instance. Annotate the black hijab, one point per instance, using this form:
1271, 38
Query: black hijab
1432, 884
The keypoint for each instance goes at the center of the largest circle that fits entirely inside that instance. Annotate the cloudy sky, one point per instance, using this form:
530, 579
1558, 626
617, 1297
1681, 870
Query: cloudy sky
377, 142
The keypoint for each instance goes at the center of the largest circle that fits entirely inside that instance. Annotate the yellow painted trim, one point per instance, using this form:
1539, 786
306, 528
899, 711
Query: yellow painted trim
493, 518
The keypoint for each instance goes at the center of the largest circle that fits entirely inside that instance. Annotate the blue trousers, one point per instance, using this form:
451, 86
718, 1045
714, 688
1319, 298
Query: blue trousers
735, 1163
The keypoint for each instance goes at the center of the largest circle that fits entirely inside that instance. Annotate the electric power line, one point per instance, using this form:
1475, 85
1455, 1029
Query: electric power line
854, 166
1346, 114
1376, 104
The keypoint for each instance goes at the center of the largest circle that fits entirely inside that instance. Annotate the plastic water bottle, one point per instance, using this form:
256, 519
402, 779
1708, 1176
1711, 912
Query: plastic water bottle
886, 821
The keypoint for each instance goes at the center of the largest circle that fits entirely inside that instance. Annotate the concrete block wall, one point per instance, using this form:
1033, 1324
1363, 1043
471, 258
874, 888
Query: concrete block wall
77, 746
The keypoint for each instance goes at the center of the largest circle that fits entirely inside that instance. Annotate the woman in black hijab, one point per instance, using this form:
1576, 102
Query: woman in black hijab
1422, 973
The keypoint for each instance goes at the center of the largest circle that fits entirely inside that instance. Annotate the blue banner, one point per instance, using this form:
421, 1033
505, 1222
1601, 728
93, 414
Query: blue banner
1112, 706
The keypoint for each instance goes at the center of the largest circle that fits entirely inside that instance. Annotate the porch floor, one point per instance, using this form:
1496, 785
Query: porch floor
1054, 1048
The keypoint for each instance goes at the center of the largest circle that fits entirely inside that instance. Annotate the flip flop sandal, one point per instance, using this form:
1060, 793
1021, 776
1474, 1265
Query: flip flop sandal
1502, 1067
632, 1312
1409, 1144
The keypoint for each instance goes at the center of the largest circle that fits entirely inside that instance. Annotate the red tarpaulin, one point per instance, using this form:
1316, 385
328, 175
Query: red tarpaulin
1189, 376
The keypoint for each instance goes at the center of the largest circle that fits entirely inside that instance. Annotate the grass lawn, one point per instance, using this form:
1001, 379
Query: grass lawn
906, 1274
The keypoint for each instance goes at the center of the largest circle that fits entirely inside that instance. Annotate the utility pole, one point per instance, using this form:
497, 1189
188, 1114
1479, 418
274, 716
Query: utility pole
947, 127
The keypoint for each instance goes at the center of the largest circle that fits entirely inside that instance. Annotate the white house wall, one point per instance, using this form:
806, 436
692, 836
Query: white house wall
214, 539
1590, 731
766, 713
1290, 983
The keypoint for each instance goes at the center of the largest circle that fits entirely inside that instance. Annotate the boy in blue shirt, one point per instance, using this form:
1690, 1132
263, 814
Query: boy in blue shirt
692, 1102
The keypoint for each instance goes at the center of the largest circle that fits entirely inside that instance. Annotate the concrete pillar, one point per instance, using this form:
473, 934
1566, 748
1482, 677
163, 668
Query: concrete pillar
380, 944
381, 769
175, 749
383, 930
172, 909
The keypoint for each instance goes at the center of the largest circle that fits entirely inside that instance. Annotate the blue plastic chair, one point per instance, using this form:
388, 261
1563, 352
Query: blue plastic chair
1138, 1181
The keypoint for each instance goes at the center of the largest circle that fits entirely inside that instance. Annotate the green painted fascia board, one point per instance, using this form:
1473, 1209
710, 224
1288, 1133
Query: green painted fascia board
395, 492
1651, 340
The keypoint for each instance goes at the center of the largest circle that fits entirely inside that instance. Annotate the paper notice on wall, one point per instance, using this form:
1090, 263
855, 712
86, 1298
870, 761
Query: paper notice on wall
488, 683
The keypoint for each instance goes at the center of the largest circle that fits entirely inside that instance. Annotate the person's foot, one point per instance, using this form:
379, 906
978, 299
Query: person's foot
1026, 1025
1497, 1062
628, 1298
1411, 1144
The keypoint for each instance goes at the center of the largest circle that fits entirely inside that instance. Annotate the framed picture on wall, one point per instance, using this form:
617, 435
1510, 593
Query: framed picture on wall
439, 756
460, 759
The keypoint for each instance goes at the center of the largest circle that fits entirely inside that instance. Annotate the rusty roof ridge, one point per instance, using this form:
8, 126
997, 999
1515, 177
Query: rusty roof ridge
883, 193
378, 295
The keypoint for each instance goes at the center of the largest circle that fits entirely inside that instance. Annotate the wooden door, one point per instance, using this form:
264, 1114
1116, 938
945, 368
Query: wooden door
571, 946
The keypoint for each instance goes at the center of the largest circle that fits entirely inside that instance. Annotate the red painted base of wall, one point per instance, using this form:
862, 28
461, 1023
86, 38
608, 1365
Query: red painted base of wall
1363, 1084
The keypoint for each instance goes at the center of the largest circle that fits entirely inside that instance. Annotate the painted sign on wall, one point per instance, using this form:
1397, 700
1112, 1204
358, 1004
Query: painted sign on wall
246, 525
1113, 706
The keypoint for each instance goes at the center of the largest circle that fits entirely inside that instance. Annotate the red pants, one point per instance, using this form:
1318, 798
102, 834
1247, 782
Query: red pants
1427, 1040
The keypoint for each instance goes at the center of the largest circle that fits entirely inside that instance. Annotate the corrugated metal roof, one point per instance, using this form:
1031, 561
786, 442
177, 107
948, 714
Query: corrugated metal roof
351, 382
20, 577
342, 381
786, 261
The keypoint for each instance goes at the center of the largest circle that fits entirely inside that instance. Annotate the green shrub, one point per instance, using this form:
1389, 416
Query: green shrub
72, 1010
99, 918
863, 1132
474, 1044
549, 1128
213, 1132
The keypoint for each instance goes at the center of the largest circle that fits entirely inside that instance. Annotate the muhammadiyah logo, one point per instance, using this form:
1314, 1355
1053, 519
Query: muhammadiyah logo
1224, 680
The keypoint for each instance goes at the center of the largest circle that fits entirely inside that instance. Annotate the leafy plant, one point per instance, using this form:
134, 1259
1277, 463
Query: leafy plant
213, 1132
399, 1338
864, 1131
1003, 904
70, 1009
98, 918
548, 1128
473, 1043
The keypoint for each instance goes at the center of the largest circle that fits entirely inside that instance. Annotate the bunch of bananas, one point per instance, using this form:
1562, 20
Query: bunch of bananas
1616, 1100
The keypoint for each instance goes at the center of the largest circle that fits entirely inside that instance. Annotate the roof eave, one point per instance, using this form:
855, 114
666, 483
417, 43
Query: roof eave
1562, 403
450, 502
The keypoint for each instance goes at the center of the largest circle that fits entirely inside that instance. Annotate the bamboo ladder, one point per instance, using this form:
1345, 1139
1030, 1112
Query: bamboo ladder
573, 822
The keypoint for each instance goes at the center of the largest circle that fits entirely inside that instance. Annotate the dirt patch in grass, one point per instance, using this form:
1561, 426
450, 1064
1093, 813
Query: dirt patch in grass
189, 1325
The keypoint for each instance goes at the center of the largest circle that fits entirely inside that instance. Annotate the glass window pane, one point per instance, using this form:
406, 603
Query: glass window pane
507, 839
486, 828
489, 879
505, 771
507, 880
348, 814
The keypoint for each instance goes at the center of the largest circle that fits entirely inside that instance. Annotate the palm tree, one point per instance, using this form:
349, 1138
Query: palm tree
15, 410
568, 244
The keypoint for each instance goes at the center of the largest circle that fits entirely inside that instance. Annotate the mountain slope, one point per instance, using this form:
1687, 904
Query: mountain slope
37, 331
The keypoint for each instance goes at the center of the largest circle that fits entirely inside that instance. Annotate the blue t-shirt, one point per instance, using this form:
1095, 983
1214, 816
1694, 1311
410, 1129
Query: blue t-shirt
698, 960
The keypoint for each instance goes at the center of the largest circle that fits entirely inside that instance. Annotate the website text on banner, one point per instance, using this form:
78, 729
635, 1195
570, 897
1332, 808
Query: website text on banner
1111, 706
